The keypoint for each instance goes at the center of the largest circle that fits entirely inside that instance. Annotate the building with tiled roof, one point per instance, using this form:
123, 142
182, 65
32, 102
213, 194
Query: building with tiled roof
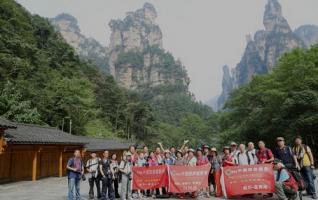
29, 151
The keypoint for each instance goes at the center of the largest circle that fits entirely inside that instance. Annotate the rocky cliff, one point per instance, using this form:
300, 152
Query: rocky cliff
136, 55
86, 47
308, 33
263, 51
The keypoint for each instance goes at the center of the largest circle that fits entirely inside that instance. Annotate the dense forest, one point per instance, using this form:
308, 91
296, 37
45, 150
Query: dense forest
282, 103
43, 80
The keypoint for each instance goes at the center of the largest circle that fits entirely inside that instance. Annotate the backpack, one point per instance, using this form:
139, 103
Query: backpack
291, 183
299, 179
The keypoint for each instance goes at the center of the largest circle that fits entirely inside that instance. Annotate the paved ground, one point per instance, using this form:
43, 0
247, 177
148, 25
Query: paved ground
49, 189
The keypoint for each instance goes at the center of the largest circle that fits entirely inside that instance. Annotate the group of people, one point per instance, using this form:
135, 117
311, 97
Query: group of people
108, 171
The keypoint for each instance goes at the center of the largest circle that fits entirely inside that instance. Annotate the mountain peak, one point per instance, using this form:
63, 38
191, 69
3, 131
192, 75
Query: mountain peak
65, 22
149, 11
273, 18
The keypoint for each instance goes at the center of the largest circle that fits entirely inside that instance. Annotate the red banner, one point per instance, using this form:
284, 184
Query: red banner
144, 178
248, 179
187, 178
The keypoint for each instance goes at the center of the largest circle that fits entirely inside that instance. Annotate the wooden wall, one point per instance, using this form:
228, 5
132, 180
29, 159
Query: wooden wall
31, 162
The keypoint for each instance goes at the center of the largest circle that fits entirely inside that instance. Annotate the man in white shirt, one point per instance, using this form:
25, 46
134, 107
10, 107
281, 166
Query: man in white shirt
125, 168
93, 176
243, 157
252, 153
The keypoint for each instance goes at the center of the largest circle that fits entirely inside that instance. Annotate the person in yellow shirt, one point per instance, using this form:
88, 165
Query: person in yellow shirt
305, 160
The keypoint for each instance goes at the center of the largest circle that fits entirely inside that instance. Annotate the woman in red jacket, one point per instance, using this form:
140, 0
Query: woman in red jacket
228, 159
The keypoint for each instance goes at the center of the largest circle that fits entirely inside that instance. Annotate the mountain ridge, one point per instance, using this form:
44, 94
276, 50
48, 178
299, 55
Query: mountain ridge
264, 50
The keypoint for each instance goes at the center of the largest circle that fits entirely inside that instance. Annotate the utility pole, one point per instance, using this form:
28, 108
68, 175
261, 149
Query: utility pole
71, 126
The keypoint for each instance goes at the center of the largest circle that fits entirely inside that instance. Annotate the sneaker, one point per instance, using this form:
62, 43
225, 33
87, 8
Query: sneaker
314, 196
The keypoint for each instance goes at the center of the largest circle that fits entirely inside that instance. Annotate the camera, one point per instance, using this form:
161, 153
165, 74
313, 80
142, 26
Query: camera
129, 176
83, 177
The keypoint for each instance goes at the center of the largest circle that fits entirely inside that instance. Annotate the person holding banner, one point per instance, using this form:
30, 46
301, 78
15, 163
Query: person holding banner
125, 168
159, 156
151, 160
191, 159
243, 157
264, 155
215, 173
134, 154
202, 160
168, 160
146, 151
180, 161
228, 159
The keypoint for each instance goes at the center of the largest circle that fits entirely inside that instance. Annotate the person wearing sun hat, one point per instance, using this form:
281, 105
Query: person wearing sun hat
286, 186
215, 172
191, 159
125, 168
206, 149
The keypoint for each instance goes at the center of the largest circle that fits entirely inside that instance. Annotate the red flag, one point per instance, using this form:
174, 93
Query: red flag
144, 178
184, 179
247, 179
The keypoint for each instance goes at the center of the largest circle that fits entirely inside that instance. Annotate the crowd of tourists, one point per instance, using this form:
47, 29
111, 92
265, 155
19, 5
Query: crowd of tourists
108, 172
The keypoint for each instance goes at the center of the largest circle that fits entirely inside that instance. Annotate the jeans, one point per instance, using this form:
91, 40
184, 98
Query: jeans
107, 186
125, 188
307, 174
74, 187
91, 182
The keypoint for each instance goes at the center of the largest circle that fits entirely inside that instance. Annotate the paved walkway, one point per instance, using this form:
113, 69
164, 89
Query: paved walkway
48, 189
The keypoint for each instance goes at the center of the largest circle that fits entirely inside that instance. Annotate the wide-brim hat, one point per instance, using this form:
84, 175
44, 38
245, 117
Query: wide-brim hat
205, 146
233, 144
280, 139
213, 149
226, 147
191, 150
128, 154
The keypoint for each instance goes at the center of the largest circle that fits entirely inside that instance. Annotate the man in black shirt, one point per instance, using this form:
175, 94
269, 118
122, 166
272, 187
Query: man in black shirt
285, 154
107, 177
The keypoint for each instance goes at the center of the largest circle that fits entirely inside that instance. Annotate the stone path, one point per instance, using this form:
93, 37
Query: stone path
50, 189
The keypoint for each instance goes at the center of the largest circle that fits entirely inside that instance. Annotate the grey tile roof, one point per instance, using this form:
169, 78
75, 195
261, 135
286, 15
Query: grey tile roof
99, 144
4, 123
35, 134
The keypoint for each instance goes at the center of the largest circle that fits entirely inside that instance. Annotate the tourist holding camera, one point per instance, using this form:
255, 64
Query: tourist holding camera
114, 166
93, 175
107, 177
125, 168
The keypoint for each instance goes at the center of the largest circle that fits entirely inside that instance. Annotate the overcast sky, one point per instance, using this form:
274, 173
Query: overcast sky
204, 34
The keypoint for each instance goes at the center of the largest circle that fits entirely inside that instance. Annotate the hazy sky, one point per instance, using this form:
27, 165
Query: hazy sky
204, 34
